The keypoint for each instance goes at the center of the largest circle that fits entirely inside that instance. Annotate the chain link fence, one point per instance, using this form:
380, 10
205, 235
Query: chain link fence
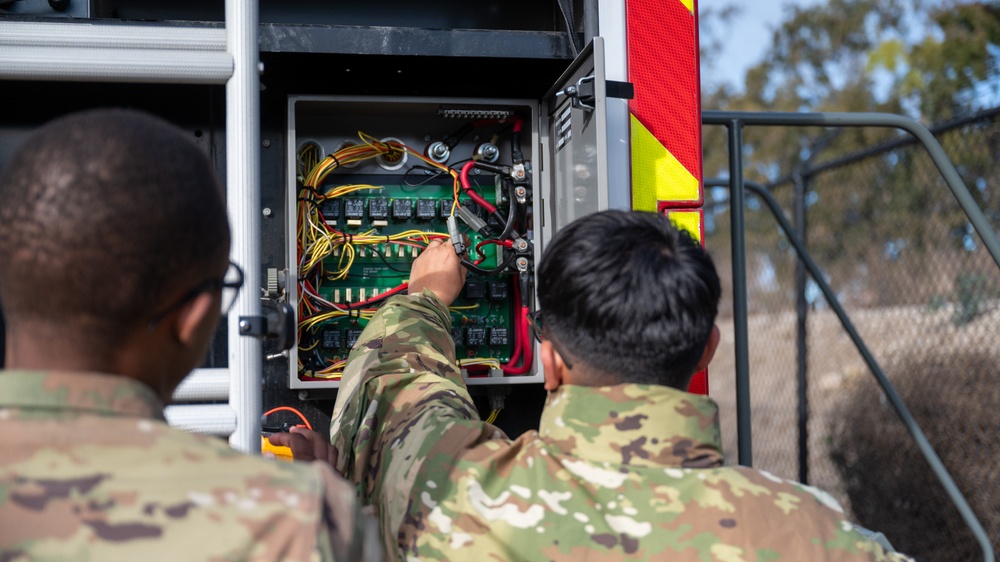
925, 296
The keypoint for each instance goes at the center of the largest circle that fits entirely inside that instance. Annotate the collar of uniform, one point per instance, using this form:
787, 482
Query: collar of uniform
59, 392
634, 424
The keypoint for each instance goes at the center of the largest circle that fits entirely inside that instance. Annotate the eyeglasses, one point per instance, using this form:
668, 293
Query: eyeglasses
230, 285
537, 327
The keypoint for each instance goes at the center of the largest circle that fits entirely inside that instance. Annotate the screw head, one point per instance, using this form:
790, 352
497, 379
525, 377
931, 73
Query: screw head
266, 143
438, 152
267, 211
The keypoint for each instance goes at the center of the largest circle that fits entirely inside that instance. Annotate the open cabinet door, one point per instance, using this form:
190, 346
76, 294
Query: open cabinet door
578, 173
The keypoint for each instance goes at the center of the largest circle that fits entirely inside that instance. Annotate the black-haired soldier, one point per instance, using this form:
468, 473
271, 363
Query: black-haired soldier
626, 465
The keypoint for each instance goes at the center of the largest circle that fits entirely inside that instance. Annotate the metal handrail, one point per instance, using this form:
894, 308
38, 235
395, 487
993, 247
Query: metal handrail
734, 121
934, 149
893, 397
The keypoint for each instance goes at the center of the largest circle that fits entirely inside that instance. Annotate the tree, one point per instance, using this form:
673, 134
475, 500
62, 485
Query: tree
924, 58
900, 56
885, 229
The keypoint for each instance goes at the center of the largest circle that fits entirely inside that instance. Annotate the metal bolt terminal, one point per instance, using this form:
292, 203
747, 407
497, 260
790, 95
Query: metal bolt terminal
518, 172
488, 152
522, 264
521, 194
438, 152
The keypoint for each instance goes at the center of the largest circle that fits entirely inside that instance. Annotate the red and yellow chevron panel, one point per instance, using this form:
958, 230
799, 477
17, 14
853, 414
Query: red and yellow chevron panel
693, 221
665, 120
662, 41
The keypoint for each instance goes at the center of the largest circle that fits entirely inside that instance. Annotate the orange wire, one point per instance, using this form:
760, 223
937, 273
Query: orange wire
289, 409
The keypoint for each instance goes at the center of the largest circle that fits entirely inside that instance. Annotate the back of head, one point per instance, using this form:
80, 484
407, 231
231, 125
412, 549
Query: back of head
630, 297
103, 216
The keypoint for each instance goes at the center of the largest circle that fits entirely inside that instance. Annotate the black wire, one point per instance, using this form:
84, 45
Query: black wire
566, 7
363, 276
522, 220
476, 269
458, 165
453, 139
385, 261
430, 177
437, 173
510, 212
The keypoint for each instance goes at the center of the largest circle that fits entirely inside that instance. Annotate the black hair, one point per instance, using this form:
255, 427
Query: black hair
104, 215
630, 296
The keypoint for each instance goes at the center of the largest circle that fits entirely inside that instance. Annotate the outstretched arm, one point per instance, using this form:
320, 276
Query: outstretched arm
402, 397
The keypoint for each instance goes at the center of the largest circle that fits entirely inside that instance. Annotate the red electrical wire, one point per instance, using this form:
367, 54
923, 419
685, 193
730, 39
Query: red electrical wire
525, 347
518, 339
289, 409
522, 340
479, 248
387, 294
464, 177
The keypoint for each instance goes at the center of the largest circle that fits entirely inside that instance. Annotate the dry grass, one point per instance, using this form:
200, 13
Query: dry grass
841, 388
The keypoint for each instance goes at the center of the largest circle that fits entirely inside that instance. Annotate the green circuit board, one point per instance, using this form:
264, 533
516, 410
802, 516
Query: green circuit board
482, 317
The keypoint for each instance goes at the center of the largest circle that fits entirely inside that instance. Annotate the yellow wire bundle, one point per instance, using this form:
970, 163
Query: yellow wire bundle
316, 241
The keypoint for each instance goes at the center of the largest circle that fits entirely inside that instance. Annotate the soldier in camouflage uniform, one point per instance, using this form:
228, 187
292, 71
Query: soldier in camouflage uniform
113, 248
624, 465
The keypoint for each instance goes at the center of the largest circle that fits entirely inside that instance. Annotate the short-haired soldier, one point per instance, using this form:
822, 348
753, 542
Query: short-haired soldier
114, 272
625, 463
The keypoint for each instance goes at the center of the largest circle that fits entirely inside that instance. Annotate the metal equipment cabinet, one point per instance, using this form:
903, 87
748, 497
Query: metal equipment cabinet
227, 74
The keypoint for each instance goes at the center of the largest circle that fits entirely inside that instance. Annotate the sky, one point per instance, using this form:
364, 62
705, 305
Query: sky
749, 32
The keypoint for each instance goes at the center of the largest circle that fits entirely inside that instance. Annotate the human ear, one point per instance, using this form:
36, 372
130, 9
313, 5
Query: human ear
192, 318
553, 366
710, 347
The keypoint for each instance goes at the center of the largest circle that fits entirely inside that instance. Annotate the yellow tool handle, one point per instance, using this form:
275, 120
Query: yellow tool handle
280, 453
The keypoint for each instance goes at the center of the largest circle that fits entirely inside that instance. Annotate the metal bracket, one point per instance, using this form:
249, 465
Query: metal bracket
582, 93
277, 323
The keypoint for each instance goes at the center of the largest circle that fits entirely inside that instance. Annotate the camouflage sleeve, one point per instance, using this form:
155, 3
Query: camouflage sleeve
346, 532
401, 394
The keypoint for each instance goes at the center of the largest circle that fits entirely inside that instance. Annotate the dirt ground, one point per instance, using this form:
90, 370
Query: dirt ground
834, 364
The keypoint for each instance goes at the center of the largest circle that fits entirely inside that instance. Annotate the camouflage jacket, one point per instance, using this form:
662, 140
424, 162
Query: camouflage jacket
627, 471
89, 470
